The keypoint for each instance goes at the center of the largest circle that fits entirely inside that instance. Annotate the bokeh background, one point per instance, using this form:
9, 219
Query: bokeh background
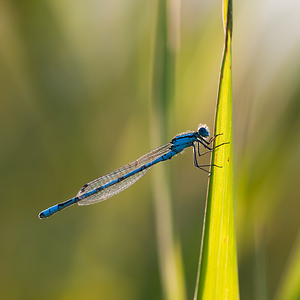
75, 93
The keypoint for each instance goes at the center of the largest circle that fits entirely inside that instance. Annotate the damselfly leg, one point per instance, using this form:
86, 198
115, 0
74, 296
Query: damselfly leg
210, 149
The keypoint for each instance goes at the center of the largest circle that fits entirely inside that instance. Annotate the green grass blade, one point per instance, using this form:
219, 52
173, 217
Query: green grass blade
163, 87
218, 277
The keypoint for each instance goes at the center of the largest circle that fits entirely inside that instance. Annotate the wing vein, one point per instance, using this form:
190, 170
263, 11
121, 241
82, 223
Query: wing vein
120, 186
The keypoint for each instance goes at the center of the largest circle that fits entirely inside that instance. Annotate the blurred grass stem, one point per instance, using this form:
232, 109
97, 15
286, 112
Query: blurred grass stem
162, 96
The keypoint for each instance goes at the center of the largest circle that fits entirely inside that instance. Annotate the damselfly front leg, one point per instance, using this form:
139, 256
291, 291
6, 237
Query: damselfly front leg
208, 143
212, 138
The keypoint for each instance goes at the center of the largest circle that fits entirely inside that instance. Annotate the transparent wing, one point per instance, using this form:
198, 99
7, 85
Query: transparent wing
120, 186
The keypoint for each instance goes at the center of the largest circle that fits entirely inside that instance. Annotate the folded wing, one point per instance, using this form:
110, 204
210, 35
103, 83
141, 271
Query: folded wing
124, 184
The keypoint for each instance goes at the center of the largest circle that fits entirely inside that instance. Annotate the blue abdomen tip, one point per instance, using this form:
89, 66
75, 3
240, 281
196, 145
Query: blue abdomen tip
42, 215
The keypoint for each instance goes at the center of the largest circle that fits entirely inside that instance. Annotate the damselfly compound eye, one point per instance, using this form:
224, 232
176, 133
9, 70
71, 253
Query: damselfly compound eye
203, 130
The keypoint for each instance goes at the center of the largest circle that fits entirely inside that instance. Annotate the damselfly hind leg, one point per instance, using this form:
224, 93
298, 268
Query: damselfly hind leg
196, 161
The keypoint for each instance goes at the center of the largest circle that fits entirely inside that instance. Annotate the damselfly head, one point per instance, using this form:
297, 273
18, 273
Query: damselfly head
203, 130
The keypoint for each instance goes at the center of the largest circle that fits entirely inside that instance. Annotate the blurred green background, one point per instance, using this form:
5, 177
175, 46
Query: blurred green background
75, 95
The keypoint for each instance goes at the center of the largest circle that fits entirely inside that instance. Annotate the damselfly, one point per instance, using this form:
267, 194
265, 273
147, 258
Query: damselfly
113, 183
